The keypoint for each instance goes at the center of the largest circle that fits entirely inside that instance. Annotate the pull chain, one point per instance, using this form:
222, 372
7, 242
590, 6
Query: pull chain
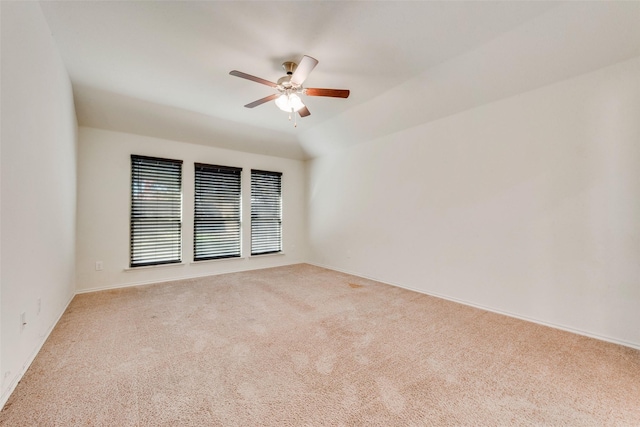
295, 118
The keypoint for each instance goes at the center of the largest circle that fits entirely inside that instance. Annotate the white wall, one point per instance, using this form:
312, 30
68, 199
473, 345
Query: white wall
38, 187
104, 197
527, 206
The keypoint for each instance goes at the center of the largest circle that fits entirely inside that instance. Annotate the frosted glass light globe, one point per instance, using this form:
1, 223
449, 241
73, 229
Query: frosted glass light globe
289, 102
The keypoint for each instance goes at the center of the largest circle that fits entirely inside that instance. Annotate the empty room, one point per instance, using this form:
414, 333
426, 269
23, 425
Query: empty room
300, 213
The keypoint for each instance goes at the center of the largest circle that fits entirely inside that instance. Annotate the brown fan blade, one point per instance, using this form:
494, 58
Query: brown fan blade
334, 93
304, 112
304, 68
252, 78
262, 100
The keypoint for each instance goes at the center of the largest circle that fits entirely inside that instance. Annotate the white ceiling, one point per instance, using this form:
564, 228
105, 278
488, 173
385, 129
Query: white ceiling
161, 68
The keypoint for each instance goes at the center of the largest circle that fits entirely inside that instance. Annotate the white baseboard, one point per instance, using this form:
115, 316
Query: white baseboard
493, 310
146, 282
173, 279
16, 379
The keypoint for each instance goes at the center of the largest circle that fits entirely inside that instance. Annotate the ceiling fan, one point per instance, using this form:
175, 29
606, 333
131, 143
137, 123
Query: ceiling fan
290, 86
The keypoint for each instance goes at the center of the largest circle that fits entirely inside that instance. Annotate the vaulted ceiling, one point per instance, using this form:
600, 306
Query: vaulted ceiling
161, 68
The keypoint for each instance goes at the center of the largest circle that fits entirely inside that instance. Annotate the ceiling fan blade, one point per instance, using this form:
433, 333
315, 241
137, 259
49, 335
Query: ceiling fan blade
262, 100
334, 93
304, 112
304, 68
252, 78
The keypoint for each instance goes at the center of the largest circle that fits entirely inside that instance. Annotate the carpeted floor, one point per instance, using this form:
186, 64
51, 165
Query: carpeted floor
301, 345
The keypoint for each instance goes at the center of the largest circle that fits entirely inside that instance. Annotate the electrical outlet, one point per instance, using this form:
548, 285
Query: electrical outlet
23, 321
99, 266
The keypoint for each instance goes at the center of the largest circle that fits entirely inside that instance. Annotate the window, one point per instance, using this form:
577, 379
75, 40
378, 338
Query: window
156, 211
217, 213
266, 212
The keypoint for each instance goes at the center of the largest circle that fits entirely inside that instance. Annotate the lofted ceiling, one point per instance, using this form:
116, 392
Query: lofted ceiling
161, 68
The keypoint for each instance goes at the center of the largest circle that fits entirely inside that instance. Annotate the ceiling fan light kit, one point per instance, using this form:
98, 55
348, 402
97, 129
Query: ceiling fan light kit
290, 103
289, 87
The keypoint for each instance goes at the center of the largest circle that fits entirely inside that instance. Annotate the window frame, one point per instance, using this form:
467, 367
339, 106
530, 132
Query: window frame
263, 184
210, 176
145, 219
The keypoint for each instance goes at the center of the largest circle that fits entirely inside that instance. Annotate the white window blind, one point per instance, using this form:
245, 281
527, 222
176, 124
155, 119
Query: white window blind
217, 213
156, 211
266, 212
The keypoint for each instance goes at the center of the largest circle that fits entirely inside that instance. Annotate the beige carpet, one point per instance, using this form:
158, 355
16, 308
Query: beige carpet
301, 345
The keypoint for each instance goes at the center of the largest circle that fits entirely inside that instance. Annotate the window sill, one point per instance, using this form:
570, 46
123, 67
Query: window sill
268, 255
182, 264
148, 267
205, 261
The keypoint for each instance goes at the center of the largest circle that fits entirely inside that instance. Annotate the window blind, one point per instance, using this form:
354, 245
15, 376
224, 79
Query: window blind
156, 211
217, 213
266, 212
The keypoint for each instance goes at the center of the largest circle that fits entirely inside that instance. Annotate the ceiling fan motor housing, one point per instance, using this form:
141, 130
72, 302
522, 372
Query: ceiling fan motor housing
285, 82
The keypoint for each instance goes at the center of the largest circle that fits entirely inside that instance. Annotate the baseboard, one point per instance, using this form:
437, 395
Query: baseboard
142, 283
173, 279
493, 310
16, 380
